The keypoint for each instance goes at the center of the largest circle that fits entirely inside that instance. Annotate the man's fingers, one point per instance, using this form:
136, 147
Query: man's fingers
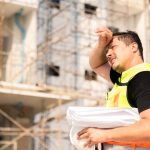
83, 136
100, 30
89, 143
104, 34
82, 131
101, 33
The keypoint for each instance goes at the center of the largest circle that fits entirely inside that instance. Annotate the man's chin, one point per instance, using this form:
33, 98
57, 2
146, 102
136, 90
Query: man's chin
114, 67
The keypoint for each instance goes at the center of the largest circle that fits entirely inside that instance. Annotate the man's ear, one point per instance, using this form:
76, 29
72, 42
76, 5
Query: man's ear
134, 47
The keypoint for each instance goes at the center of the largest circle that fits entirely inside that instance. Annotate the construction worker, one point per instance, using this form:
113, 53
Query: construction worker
119, 58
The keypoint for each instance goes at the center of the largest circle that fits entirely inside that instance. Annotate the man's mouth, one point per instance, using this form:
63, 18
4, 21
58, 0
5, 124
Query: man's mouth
111, 60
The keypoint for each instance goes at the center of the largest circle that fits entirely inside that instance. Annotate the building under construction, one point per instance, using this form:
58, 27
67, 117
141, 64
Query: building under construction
44, 67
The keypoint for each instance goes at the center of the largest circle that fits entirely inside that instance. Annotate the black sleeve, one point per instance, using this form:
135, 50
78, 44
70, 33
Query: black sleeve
114, 76
138, 92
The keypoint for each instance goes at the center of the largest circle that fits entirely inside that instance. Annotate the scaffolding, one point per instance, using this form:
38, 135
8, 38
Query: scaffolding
2, 17
57, 74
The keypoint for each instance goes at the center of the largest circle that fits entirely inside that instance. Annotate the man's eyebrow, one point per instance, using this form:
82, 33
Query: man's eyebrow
109, 45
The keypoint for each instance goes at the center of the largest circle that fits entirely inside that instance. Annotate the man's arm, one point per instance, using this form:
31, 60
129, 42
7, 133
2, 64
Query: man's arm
97, 59
138, 132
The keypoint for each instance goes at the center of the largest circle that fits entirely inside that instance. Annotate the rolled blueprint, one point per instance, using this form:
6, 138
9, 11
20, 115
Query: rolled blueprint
101, 117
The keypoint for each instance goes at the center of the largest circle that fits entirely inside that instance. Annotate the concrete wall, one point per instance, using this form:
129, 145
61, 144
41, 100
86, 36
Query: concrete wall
71, 53
22, 50
75, 32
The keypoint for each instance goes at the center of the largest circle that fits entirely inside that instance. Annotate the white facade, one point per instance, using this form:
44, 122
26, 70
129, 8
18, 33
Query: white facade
19, 40
49, 45
71, 37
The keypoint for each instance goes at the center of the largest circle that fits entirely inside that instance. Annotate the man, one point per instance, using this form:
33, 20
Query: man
119, 58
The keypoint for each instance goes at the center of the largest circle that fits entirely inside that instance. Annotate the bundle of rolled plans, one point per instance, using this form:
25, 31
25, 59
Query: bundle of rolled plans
101, 117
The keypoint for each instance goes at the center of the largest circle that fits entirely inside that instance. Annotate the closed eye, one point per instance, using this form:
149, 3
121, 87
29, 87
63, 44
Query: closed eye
113, 46
110, 47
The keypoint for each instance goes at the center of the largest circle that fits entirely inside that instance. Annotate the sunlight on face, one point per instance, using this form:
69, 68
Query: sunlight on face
118, 54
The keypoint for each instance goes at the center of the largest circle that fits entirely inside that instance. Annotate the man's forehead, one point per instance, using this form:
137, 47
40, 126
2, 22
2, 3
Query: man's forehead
113, 41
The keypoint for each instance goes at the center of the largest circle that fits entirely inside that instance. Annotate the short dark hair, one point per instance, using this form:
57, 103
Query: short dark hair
130, 37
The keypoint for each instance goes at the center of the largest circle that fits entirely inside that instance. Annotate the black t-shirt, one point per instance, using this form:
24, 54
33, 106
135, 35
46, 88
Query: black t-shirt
138, 89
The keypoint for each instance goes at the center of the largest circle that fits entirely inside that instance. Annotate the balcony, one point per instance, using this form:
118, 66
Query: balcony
9, 7
29, 3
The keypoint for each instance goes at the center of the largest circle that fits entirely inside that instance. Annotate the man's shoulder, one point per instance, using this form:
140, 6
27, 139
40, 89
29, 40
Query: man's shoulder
140, 80
141, 76
138, 91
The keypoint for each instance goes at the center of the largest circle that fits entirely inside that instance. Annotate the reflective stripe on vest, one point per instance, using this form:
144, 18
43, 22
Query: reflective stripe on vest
117, 97
133, 145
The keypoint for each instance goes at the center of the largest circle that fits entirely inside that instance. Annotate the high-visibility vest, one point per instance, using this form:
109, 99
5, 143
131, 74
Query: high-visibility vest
117, 97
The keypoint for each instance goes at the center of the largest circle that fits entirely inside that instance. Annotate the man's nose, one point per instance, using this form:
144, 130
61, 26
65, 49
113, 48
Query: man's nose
109, 52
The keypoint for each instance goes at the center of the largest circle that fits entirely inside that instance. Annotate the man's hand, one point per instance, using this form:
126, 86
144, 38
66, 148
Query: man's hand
105, 36
93, 136
97, 58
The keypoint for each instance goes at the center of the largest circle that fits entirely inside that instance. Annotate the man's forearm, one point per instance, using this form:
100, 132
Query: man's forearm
97, 57
138, 132
98, 54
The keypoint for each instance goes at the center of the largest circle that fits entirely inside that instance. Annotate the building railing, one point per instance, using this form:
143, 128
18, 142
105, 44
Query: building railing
30, 3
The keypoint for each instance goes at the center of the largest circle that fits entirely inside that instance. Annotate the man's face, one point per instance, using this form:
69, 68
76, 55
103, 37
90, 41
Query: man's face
118, 55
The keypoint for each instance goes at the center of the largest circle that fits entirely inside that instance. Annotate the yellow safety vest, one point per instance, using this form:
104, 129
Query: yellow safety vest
117, 96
